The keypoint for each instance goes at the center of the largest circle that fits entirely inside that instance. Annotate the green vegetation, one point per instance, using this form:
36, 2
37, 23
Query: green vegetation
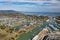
57, 17
15, 23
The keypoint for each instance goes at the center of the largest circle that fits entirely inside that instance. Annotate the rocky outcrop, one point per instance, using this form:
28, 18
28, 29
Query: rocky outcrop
45, 34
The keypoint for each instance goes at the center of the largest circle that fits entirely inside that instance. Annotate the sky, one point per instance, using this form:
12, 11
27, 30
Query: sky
29, 0
30, 6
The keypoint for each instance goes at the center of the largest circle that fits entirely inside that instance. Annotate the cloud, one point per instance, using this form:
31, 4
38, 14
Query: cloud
19, 0
31, 6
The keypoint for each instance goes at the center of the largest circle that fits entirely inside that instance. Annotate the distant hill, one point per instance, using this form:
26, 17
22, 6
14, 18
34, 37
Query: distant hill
11, 13
8, 11
2, 12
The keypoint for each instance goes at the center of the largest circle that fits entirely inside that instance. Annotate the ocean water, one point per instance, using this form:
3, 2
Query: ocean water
43, 13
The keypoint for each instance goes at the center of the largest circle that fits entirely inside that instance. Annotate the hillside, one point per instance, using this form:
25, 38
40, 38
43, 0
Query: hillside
11, 13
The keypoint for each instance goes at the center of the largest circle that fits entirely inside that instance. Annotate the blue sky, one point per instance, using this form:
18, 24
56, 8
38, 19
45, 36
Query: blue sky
30, 6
